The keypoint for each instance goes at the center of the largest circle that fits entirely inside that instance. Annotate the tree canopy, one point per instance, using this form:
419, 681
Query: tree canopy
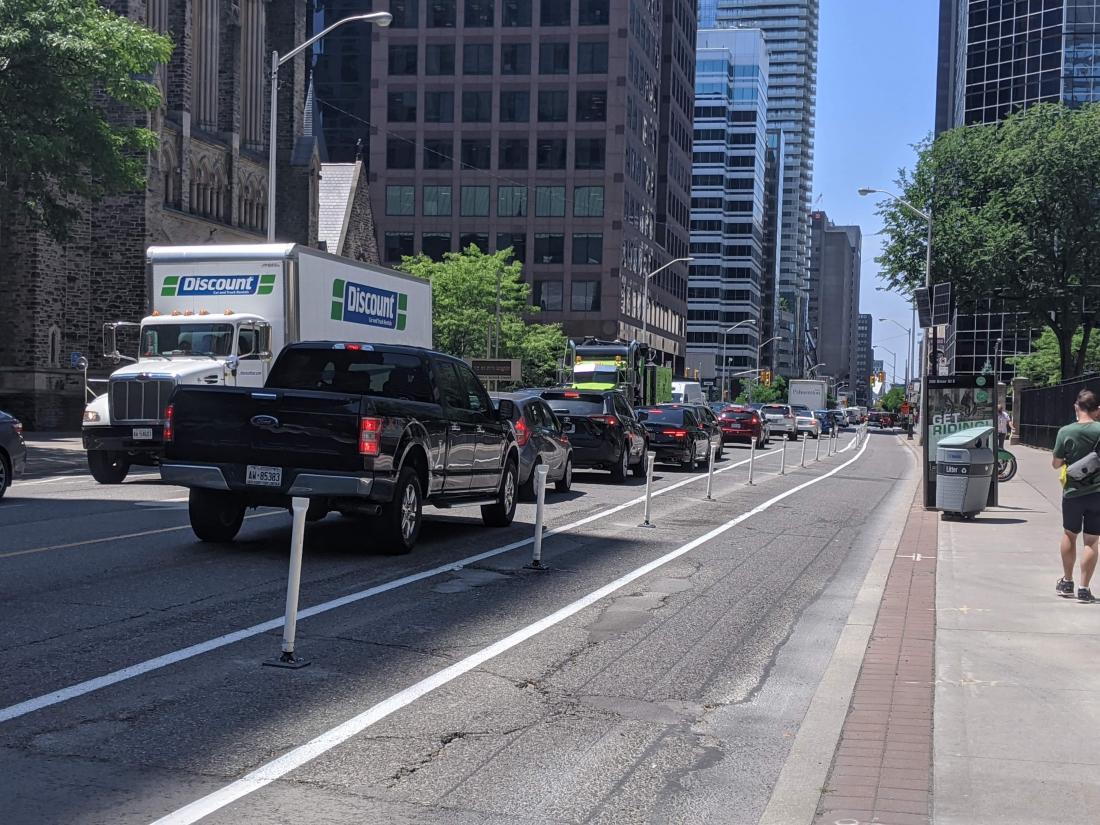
465, 286
1041, 367
62, 62
1016, 218
755, 392
892, 400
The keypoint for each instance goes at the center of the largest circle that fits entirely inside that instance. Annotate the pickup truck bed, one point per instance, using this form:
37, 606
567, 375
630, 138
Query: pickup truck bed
374, 431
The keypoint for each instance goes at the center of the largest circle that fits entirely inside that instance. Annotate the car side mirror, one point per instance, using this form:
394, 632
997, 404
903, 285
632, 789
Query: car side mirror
641, 415
506, 409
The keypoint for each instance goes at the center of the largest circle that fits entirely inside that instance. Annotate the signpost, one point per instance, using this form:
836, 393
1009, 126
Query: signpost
496, 370
955, 402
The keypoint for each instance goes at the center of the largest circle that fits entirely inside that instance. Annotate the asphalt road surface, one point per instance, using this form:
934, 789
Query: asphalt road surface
651, 675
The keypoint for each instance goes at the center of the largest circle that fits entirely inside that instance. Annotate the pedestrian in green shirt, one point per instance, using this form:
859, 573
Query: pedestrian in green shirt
1080, 500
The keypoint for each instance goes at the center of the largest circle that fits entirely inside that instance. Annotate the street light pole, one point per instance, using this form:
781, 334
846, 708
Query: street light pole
908, 347
726, 386
379, 18
645, 289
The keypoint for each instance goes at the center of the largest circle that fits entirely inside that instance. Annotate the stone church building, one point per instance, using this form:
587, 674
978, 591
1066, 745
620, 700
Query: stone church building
207, 183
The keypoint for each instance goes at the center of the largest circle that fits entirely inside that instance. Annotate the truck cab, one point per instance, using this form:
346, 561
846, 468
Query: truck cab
125, 425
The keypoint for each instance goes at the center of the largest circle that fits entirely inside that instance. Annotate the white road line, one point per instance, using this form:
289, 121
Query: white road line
113, 678
116, 538
301, 755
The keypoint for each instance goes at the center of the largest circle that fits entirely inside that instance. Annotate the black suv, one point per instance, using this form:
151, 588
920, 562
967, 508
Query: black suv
362, 429
677, 435
603, 429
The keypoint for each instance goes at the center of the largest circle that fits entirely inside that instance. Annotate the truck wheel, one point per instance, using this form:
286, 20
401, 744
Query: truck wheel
216, 516
501, 513
108, 467
400, 519
639, 468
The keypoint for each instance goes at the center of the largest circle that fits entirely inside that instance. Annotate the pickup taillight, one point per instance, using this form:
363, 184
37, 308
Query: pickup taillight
169, 417
370, 435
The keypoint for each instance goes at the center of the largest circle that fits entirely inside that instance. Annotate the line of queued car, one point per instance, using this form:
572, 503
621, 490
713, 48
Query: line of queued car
13, 451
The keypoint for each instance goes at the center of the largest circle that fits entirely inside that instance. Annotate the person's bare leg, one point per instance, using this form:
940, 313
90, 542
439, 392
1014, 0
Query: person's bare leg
1069, 555
1088, 558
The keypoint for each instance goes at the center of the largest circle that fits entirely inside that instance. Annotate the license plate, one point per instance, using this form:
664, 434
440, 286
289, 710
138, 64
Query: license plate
264, 476
143, 434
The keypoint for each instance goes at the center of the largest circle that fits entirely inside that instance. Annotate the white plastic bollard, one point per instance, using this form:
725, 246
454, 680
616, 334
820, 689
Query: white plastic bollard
299, 507
783, 458
540, 504
650, 457
710, 470
817, 452
804, 437
752, 458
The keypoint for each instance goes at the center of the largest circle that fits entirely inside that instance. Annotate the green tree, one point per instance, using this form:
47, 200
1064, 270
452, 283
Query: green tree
763, 393
1041, 367
892, 400
465, 290
1016, 211
56, 58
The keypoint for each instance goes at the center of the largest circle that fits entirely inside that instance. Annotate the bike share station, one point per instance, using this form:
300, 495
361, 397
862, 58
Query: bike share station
960, 444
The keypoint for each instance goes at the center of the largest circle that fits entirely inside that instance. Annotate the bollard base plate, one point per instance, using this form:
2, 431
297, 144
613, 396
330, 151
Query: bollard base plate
647, 524
535, 564
287, 660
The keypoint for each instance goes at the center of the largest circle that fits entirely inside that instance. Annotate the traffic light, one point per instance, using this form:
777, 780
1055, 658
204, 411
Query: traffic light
882, 377
766, 378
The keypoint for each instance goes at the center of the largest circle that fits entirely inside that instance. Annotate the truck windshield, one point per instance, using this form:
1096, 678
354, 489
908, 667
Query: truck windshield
590, 373
186, 339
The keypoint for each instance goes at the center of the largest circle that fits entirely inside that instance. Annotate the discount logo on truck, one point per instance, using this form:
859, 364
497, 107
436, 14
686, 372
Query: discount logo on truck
362, 304
179, 285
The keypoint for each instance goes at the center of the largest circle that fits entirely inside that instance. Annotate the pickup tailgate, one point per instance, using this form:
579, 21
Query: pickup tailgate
273, 427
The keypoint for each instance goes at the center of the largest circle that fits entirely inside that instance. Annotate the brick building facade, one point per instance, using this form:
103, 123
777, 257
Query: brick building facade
207, 183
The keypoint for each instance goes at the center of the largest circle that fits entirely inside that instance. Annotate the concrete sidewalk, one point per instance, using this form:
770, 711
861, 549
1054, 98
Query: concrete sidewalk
1017, 691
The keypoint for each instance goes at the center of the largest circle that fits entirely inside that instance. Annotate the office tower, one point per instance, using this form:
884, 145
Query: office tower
834, 295
860, 383
790, 32
552, 127
996, 56
727, 201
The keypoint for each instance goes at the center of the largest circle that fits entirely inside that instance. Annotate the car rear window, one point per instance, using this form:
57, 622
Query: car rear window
359, 372
773, 409
664, 416
575, 403
737, 415
800, 410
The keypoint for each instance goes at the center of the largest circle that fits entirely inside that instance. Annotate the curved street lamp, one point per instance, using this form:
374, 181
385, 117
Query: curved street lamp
725, 340
379, 18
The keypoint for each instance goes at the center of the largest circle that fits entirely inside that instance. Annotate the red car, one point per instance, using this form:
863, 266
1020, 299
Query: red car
744, 424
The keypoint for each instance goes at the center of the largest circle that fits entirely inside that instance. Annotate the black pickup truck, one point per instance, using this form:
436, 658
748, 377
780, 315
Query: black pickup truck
365, 430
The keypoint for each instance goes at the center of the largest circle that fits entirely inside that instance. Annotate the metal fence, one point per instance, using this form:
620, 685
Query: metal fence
1043, 410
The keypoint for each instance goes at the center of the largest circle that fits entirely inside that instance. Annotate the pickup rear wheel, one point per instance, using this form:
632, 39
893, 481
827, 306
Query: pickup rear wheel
400, 519
108, 467
215, 516
620, 468
502, 512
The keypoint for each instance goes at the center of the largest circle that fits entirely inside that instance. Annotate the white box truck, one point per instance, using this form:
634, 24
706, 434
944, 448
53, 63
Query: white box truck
220, 315
809, 392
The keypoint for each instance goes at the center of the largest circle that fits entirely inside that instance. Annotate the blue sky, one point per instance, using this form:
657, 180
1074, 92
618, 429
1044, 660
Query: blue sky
876, 96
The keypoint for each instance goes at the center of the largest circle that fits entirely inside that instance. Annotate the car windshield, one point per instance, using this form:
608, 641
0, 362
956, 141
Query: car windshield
361, 371
664, 415
182, 339
575, 403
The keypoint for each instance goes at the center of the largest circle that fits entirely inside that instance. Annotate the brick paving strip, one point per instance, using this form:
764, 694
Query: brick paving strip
882, 769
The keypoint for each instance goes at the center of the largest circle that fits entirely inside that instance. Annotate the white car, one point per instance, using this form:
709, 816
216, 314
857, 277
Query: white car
806, 421
780, 418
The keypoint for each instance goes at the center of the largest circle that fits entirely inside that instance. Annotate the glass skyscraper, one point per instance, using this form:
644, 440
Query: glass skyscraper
997, 56
790, 30
728, 201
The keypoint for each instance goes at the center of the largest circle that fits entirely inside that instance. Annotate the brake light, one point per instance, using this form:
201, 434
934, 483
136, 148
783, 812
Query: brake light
609, 420
370, 430
352, 347
169, 416
572, 395
675, 433
755, 420
523, 432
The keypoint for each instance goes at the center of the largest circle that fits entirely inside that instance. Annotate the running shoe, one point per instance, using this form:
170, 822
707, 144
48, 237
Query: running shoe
1085, 595
1064, 587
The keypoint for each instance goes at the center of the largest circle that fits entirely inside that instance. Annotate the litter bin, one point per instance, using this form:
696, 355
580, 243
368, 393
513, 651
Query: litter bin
964, 471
